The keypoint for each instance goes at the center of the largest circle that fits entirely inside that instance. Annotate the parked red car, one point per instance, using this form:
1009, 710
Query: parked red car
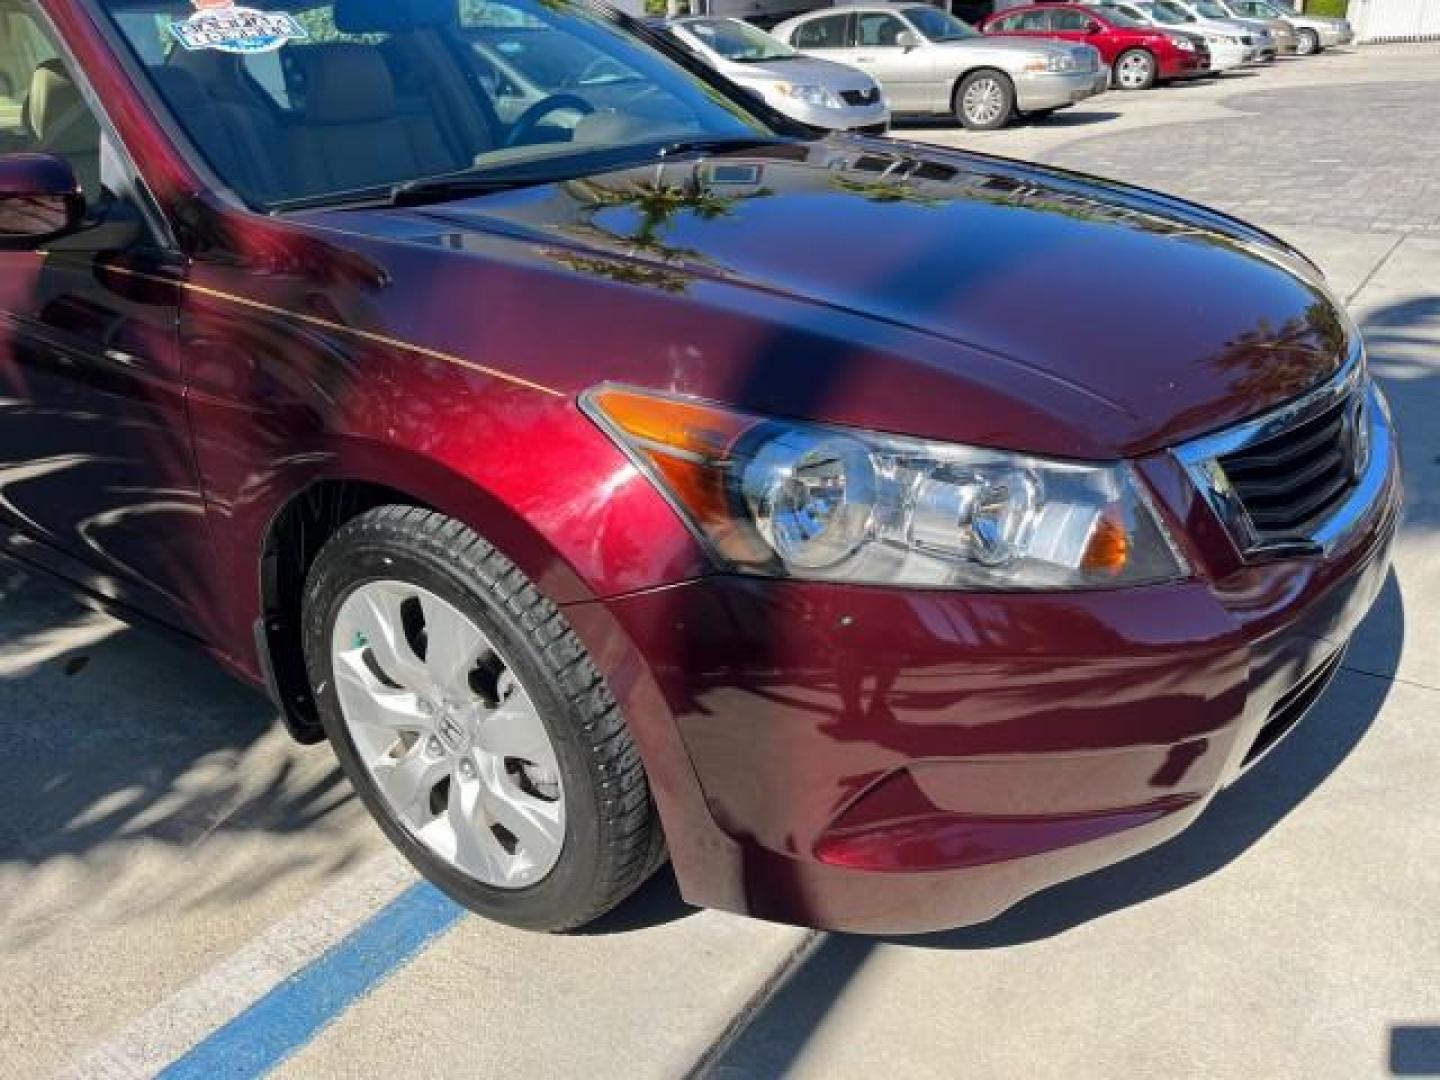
608, 467
1139, 56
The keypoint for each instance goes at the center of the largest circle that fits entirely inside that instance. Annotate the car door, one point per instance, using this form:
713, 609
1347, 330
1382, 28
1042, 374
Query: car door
97, 475
905, 73
1073, 24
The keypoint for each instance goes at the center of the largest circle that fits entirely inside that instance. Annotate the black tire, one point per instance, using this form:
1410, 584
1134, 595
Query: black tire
1307, 42
998, 94
1142, 62
612, 840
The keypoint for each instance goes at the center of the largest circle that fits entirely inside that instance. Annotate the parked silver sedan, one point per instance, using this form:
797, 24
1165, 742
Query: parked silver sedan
1312, 32
816, 92
928, 62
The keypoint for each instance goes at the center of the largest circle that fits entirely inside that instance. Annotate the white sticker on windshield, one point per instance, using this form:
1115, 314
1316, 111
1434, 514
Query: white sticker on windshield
219, 25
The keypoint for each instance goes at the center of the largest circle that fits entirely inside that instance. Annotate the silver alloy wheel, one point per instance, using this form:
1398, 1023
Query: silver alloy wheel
1307, 43
1134, 72
450, 737
984, 101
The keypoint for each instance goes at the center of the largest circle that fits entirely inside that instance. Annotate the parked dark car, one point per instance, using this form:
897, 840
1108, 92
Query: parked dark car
665, 478
1138, 55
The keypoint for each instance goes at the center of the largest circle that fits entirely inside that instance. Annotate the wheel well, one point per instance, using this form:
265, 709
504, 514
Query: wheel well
295, 538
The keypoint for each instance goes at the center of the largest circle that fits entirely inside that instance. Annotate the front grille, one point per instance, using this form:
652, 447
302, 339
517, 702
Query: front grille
1291, 482
861, 97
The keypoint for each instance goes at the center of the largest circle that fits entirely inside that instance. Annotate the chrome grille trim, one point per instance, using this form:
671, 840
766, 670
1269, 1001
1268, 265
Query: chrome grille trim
1203, 460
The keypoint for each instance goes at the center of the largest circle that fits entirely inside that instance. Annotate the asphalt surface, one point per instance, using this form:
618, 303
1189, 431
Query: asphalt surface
181, 887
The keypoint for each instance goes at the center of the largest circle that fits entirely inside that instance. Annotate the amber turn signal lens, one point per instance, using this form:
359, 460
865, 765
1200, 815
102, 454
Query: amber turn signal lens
1108, 551
689, 445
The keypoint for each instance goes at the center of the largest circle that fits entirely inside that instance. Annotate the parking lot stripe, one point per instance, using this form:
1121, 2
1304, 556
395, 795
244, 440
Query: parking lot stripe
211, 1000
294, 1012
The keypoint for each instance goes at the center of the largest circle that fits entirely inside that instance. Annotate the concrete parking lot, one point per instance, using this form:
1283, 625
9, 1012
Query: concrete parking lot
183, 890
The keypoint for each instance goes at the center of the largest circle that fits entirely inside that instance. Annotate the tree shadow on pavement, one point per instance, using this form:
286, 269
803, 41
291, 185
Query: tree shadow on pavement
115, 741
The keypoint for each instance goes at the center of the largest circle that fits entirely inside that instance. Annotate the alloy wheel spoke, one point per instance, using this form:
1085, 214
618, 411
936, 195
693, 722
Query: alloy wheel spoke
408, 781
453, 645
515, 730
537, 825
370, 702
375, 616
477, 850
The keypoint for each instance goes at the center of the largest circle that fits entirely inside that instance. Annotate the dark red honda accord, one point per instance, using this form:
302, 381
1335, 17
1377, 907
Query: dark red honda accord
610, 469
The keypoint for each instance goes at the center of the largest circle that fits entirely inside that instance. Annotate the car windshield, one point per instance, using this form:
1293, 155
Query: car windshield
1269, 11
349, 100
737, 41
1209, 10
939, 25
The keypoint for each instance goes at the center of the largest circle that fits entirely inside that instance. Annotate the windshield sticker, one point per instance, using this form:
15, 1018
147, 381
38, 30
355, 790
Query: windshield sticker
225, 28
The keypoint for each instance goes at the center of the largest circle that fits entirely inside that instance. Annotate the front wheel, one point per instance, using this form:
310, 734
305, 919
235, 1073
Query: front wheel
984, 100
1307, 43
1135, 70
473, 724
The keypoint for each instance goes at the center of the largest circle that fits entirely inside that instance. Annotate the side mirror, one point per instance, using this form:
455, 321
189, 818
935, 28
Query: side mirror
908, 40
40, 199
1094, 28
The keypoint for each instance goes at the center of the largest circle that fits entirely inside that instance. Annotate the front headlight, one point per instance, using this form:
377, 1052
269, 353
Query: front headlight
785, 499
1055, 62
1183, 44
819, 97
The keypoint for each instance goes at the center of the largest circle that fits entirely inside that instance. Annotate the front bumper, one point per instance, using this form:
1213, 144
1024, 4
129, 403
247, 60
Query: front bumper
872, 118
1224, 57
894, 761
1185, 66
1036, 90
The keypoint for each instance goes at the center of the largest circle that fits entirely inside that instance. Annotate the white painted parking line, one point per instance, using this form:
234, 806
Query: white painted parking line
174, 1026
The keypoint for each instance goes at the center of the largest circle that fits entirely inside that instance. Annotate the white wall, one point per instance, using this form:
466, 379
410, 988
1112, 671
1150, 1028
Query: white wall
1395, 20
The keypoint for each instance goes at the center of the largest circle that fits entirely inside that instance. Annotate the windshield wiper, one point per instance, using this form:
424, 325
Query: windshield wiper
458, 185
715, 145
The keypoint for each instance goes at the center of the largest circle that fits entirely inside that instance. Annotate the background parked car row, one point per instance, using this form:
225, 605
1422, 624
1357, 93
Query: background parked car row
856, 65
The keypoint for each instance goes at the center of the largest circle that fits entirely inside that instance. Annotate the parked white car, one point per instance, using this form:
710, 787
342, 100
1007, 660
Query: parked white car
1228, 48
1211, 14
820, 93
928, 62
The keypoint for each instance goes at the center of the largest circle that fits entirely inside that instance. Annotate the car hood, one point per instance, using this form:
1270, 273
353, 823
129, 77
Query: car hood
803, 70
927, 283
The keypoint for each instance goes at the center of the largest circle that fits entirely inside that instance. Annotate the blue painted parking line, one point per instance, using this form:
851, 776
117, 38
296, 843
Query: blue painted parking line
295, 1011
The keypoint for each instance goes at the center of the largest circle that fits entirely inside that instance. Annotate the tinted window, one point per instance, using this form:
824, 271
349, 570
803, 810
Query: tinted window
736, 40
937, 25
1075, 21
826, 33
878, 31
1032, 20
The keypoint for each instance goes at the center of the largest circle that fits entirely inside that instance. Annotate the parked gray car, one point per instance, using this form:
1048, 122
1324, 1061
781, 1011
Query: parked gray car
928, 62
1312, 32
816, 92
